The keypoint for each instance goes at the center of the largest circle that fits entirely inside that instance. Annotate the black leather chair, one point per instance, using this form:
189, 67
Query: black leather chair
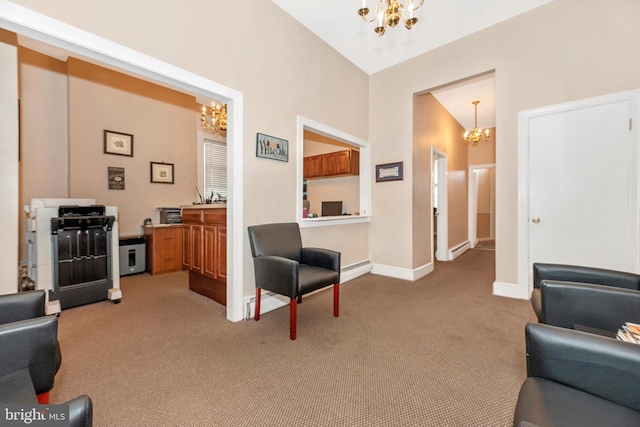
284, 267
591, 308
28, 350
578, 274
27, 305
578, 379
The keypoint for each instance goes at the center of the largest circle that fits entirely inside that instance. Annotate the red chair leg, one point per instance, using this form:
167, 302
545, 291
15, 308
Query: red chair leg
257, 313
293, 315
336, 299
43, 398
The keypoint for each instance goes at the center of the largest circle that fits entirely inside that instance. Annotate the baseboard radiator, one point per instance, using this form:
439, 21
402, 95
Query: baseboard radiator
459, 250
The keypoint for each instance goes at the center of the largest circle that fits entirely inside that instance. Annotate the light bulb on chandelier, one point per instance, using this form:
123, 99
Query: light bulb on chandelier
475, 136
214, 120
389, 13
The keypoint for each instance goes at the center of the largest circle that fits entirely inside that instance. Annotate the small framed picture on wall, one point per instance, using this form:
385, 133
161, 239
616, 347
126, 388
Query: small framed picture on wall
162, 173
118, 143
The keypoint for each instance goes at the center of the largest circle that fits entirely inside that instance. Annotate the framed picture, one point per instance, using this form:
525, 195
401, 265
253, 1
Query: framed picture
271, 147
162, 173
118, 143
389, 172
116, 178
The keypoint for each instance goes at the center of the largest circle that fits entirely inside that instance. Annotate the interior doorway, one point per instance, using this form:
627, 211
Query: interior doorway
439, 201
482, 221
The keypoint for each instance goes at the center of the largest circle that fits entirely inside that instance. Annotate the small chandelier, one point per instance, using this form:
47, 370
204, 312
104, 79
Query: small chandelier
216, 121
389, 12
475, 136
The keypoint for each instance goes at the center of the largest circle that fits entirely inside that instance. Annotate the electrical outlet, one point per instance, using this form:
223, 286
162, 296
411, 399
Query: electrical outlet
384, 250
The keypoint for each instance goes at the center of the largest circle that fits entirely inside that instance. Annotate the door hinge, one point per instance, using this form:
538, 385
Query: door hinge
630, 123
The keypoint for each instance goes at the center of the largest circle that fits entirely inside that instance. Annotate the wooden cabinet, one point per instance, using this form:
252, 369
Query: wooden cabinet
205, 230
345, 162
312, 167
348, 162
164, 248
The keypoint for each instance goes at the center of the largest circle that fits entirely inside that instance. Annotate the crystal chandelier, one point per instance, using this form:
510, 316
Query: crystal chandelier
389, 12
475, 136
214, 121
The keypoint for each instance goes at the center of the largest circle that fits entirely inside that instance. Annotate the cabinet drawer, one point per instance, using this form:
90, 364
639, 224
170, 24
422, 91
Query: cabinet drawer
215, 216
192, 216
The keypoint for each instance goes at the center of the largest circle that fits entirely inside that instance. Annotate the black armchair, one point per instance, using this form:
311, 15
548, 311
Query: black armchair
23, 306
284, 267
578, 274
28, 365
578, 379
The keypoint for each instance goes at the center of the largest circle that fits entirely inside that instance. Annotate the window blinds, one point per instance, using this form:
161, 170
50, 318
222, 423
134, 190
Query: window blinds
215, 168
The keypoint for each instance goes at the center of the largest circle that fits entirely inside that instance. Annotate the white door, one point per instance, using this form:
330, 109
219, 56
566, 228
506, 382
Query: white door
582, 185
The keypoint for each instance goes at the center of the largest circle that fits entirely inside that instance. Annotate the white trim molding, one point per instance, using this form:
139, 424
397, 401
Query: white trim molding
402, 273
303, 124
510, 290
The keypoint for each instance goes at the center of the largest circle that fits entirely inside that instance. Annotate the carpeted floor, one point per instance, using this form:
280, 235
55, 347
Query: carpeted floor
441, 351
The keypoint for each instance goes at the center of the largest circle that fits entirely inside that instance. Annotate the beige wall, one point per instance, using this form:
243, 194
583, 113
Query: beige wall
9, 162
163, 124
44, 138
282, 69
563, 51
433, 125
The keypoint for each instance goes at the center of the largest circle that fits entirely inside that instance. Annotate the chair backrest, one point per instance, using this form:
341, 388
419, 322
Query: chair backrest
22, 306
281, 239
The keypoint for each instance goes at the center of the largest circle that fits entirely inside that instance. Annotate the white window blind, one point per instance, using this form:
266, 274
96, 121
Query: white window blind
215, 168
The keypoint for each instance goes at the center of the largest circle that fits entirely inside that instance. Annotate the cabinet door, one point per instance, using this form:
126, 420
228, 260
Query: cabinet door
315, 166
172, 247
186, 247
306, 167
221, 254
210, 246
343, 162
329, 164
197, 248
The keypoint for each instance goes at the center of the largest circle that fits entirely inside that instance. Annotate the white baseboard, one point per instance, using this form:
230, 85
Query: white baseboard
402, 273
270, 301
510, 290
459, 250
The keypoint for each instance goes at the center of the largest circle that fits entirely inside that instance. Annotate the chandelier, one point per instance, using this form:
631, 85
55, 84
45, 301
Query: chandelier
475, 136
389, 12
214, 121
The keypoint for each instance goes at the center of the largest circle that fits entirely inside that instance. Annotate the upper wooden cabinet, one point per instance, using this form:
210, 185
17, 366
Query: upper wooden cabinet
312, 167
345, 162
348, 162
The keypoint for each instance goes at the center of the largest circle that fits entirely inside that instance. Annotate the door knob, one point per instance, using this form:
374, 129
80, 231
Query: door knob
535, 220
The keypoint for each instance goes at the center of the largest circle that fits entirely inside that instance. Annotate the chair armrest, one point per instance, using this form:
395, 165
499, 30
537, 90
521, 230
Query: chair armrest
277, 274
80, 411
604, 367
21, 306
566, 304
575, 273
322, 258
30, 344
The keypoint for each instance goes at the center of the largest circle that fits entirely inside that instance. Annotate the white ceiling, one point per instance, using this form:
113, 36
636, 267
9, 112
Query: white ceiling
439, 22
